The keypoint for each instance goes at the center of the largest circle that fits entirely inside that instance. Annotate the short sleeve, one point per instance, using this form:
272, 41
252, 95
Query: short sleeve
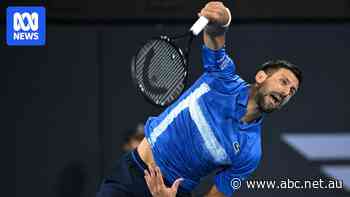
226, 179
221, 71
217, 62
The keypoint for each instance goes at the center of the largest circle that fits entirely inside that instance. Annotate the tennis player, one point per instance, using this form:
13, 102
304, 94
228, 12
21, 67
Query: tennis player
214, 126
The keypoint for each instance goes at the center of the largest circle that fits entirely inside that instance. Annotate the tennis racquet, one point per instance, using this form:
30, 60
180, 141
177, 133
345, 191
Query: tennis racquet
160, 68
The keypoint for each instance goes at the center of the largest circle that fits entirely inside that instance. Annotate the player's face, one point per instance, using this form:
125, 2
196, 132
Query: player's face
276, 90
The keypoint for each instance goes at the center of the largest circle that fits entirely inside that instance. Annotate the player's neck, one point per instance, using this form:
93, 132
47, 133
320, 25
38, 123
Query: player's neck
253, 111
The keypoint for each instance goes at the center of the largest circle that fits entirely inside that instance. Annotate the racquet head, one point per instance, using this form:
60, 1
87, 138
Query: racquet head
159, 71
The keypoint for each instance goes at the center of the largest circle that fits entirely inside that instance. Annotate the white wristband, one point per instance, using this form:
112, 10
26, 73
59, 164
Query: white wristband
229, 18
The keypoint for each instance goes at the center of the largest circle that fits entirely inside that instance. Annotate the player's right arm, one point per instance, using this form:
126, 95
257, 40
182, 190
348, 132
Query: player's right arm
219, 18
217, 64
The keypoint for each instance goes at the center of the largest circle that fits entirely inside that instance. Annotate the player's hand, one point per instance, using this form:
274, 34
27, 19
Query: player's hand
156, 184
216, 13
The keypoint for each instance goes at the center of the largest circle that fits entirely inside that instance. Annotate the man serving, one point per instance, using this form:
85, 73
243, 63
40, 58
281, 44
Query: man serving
214, 126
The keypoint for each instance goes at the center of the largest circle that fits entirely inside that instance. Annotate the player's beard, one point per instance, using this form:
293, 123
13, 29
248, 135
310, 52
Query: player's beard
265, 101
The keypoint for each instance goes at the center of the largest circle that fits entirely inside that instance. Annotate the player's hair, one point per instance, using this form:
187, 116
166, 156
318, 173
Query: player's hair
272, 66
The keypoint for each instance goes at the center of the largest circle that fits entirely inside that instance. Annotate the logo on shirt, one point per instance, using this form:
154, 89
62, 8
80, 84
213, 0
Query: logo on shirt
236, 147
224, 61
25, 26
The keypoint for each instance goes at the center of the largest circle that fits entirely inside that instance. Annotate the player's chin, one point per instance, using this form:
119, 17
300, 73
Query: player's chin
268, 107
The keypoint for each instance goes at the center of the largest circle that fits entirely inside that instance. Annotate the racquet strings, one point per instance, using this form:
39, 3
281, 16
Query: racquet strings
160, 71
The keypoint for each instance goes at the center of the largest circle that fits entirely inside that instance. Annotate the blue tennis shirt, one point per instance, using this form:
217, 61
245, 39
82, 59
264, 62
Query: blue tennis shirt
201, 132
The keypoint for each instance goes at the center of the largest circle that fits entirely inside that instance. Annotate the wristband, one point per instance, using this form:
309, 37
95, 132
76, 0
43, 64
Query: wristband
215, 30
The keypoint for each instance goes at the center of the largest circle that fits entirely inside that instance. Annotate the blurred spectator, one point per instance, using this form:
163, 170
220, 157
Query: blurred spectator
133, 137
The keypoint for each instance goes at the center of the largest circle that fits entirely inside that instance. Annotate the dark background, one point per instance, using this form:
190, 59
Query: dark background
68, 103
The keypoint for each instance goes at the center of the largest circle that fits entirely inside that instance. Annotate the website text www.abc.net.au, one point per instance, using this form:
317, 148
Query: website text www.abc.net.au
288, 183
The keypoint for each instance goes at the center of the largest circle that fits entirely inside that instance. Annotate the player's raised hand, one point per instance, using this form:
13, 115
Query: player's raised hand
216, 13
156, 184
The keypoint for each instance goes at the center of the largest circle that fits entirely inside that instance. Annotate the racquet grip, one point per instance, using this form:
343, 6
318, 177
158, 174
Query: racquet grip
199, 25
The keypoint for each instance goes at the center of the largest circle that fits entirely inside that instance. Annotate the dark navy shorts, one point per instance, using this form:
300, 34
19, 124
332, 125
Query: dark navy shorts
127, 179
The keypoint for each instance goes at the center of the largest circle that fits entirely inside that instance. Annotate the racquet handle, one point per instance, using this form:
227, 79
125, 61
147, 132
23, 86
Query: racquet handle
199, 25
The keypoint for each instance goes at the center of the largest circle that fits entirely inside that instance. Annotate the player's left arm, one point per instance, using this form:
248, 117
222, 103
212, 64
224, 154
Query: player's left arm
230, 179
214, 192
154, 180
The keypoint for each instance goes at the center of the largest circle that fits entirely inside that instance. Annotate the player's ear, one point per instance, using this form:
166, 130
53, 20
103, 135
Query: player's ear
260, 76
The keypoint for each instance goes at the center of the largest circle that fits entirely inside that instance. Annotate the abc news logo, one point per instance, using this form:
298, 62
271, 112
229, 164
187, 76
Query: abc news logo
26, 26
29, 29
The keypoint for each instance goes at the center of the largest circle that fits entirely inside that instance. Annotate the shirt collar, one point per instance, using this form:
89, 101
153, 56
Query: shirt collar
242, 102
